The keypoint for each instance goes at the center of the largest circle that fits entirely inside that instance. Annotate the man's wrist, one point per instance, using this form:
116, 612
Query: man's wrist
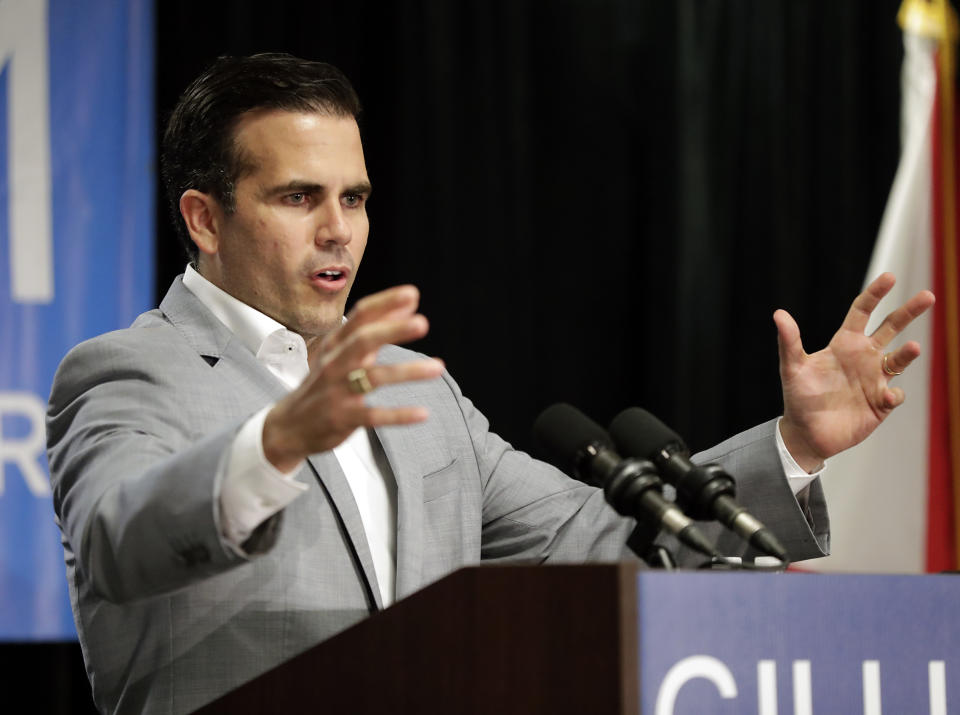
279, 445
805, 457
251, 489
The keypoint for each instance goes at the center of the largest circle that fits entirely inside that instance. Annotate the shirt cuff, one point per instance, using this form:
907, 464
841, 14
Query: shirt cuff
252, 490
797, 478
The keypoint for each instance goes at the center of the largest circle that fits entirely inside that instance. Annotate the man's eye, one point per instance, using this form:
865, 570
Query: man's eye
296, 198
353, 200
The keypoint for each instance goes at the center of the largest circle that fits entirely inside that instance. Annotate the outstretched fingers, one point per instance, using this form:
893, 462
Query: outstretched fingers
899, 319
361, 346
389, 303
384, 318
788, 340
330, 403
392, 416
360, 414
393, 304
864, 304
900, 359
893, 397
426, 369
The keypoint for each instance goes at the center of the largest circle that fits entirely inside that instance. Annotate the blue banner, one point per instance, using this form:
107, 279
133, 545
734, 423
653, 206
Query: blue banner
76, 249
802, 644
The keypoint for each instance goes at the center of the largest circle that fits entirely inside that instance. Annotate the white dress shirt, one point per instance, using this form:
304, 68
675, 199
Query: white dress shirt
252, 490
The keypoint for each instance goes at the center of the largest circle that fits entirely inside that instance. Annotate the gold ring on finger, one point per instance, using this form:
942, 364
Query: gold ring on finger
886, 368
359, 382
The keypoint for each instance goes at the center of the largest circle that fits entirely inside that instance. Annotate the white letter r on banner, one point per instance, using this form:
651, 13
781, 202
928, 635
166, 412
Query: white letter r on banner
24, 452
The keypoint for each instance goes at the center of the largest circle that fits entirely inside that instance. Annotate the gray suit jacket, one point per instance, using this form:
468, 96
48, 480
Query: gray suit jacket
169, 618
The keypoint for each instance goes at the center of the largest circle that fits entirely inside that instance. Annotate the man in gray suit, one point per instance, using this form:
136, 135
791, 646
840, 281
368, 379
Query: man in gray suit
242, 473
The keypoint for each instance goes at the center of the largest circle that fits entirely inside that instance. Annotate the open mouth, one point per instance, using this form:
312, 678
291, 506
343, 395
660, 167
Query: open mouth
330, 279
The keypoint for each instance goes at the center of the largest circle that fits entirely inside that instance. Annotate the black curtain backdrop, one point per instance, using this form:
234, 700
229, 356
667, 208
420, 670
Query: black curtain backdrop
602, 201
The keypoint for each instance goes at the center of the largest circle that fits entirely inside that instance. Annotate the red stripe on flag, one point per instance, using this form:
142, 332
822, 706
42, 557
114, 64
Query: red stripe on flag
941, 519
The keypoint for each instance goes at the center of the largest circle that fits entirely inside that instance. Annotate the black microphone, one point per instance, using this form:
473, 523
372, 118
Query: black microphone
582, 448
705, 491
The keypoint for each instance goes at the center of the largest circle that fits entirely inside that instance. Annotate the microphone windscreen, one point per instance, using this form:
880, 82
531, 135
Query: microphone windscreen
561, 431
637, 433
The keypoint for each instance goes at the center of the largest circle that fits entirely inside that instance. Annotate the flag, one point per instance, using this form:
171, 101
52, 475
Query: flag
893, 499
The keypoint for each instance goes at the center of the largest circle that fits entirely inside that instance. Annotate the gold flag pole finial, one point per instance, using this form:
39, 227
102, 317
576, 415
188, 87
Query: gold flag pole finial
926, 18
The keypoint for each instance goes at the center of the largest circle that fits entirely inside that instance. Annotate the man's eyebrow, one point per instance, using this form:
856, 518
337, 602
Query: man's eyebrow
295, 187
308, 187
363, 187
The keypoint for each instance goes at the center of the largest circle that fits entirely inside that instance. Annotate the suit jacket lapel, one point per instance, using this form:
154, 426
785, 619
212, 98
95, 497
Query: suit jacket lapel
405, 463
214, 342
327, 470
199, 327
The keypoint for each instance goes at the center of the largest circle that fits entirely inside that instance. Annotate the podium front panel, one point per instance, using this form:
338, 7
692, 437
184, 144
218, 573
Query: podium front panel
798, 643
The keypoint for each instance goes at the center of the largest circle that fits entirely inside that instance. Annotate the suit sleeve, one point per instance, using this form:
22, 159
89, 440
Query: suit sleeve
135, 493
533, 511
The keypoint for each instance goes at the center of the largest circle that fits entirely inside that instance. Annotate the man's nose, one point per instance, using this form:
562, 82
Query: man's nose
334, 227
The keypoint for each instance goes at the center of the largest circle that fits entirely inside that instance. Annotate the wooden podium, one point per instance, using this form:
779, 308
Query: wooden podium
613, 639
487, 639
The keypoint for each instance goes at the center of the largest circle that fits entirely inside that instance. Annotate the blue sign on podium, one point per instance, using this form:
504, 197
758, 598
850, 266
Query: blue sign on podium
779, 644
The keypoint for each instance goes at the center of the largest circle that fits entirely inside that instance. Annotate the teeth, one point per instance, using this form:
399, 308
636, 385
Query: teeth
330, 274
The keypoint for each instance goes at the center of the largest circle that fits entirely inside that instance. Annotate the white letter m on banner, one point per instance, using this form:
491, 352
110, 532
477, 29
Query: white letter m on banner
23, 49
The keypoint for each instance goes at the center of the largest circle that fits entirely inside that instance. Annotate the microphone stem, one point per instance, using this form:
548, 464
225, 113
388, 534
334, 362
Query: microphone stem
736, 518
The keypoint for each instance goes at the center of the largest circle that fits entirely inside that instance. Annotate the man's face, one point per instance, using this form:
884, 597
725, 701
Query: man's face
292, 247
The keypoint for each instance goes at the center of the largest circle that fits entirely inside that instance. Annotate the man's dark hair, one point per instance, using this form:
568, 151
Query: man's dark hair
199, 151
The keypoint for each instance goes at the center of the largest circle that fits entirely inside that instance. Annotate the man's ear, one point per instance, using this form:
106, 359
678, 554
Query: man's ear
201, 212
